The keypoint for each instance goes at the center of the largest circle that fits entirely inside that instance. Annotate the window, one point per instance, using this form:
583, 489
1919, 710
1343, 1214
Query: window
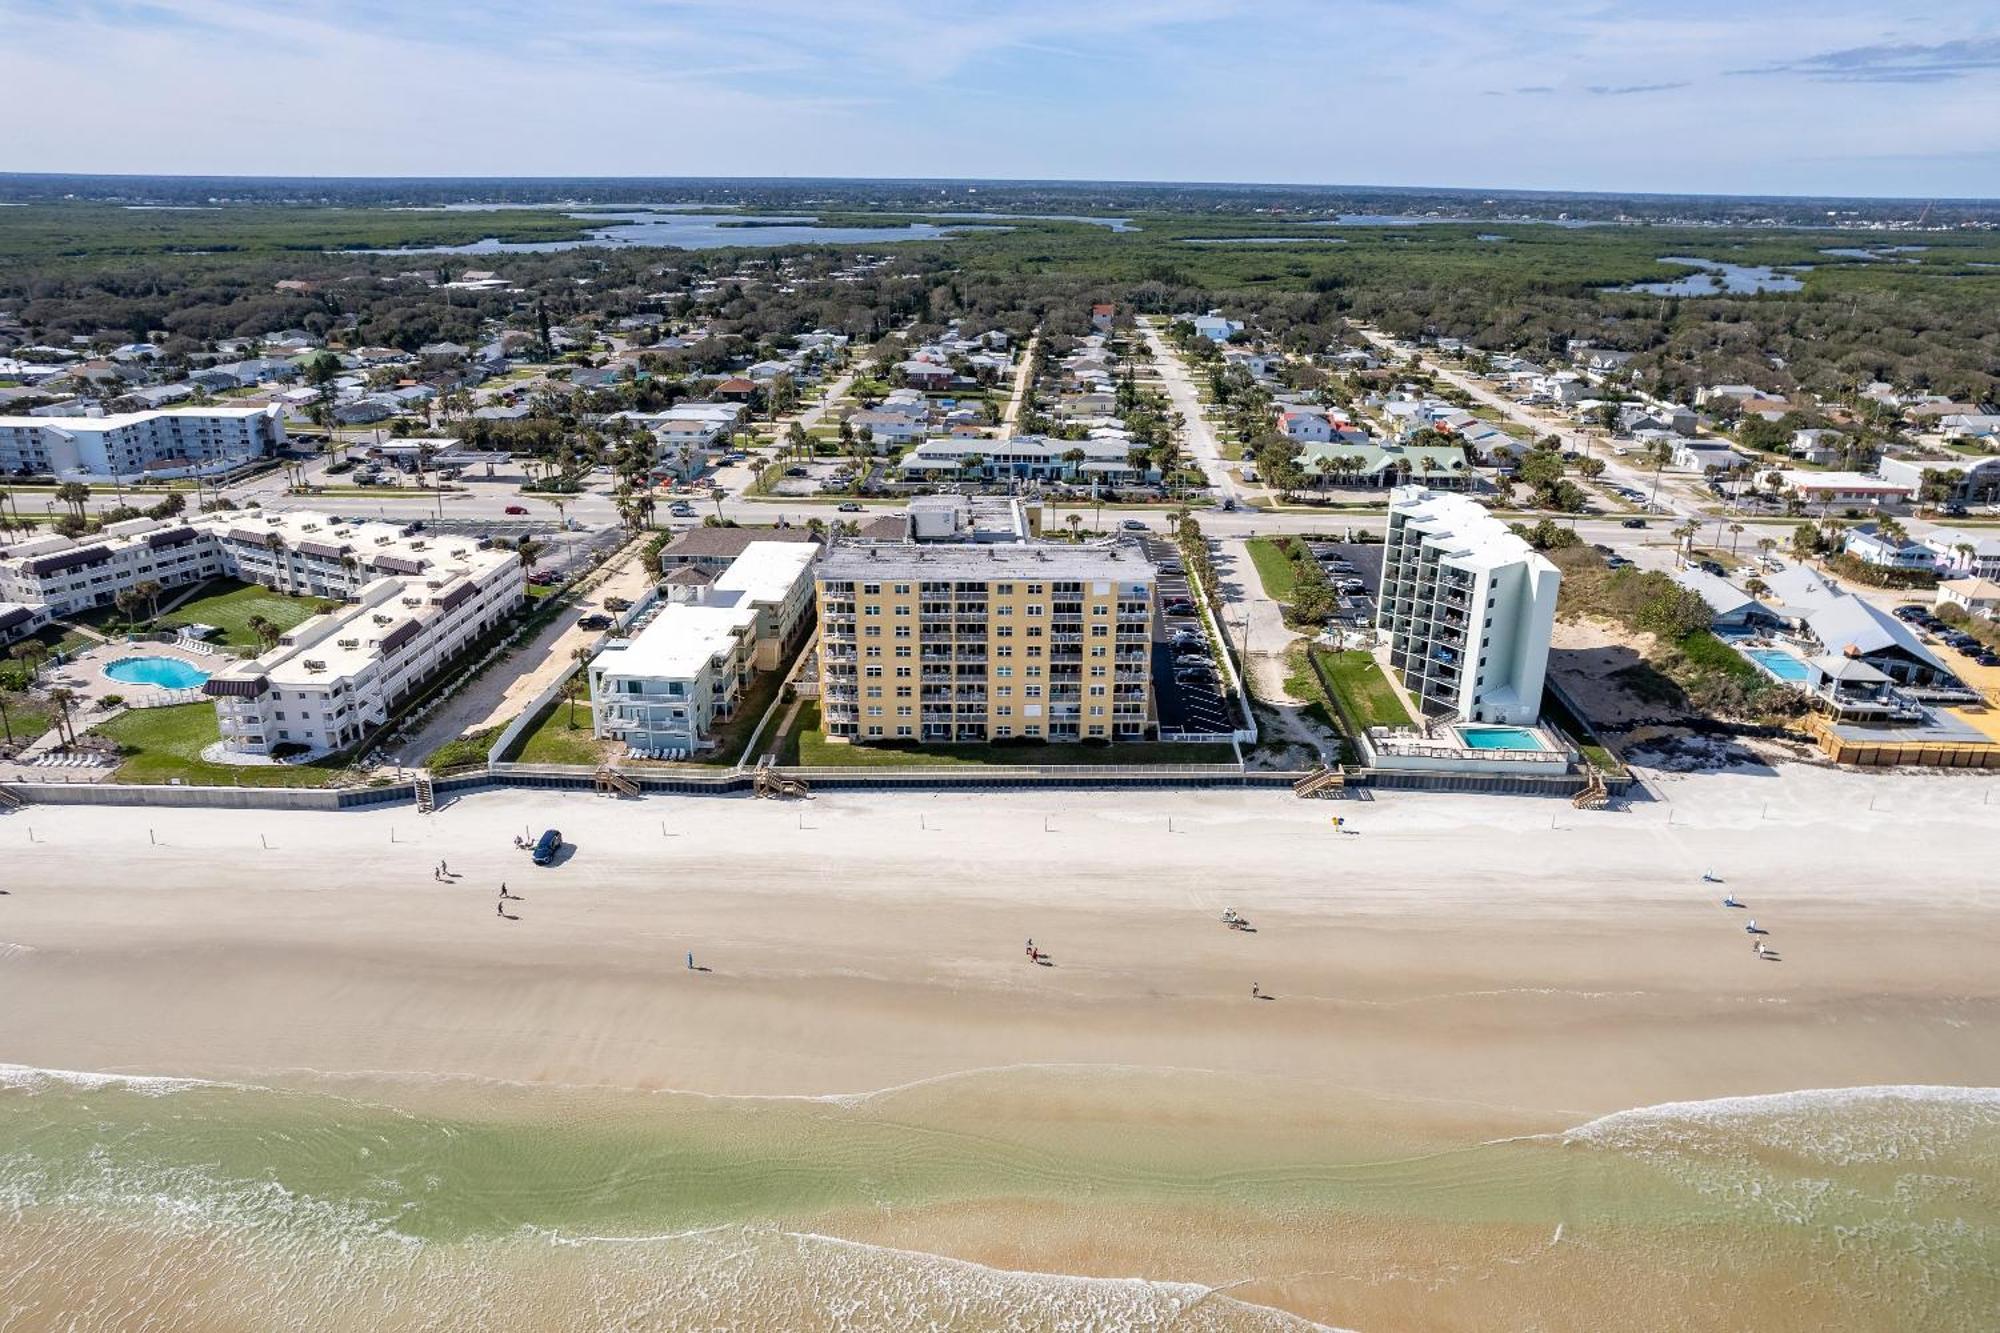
902, 590
873, 672
874, 692
902, 631
1034, 610
902, 673
903, 692
1003, 632
1003, 691
903, 710
1004, 589
875, 712
903, 731
1032, 691
903, 651
874, 731
1003, 673
1004, 710
1100, 631
871, 610
902, 610
871, 589
1003, 610
1003, 650
874, 652
1097, 672
1034, 590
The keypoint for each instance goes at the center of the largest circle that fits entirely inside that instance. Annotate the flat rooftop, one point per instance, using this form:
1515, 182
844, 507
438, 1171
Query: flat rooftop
1113, 561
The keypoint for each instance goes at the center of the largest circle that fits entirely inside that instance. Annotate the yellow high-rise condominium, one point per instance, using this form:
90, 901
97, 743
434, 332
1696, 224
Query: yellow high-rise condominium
984, 642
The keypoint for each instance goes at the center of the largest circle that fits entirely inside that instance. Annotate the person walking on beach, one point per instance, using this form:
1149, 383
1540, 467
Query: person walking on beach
690, 960
1256, 991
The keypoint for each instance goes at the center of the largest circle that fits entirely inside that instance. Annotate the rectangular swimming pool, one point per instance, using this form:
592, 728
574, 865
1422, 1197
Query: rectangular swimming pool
1781, 664
1500, 738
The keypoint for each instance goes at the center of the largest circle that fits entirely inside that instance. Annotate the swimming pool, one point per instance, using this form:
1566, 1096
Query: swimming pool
1781, 664
1500, 738
169, 673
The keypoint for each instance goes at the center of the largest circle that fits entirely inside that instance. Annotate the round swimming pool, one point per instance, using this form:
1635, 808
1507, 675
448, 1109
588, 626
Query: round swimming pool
169, 673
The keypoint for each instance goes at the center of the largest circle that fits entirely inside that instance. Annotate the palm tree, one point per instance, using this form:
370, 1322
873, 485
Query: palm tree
1662, 454
31, 655
1766, 545
65, 701
1735, 534
74, 494
581, 676
267, 632
150, 589
1075, 525
127, 601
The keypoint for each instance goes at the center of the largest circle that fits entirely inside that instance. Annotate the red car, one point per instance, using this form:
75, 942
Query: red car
517, 509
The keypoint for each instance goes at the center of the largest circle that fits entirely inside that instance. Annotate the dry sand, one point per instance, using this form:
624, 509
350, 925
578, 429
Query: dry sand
1449, 969
1448, 947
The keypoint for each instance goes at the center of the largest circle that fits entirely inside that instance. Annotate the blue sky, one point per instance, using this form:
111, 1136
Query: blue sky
1753, 96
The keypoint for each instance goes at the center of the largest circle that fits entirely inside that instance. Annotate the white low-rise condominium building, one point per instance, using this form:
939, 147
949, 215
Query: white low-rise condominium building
418, 603
1468, 606
197, 441
663, 691
419, 600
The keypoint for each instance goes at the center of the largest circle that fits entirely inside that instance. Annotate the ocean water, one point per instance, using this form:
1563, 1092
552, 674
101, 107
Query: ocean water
974, 1204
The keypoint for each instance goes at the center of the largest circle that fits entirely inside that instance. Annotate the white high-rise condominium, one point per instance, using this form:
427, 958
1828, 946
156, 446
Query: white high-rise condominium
1468, 607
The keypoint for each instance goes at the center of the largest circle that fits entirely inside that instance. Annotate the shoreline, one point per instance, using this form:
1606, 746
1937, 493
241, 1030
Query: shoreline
1460, 988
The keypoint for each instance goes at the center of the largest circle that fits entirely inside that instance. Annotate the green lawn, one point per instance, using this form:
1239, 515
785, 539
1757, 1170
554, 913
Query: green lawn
27, 717
166, 743
805, 745
562, 737
1274, 568
228, 605
1364, 691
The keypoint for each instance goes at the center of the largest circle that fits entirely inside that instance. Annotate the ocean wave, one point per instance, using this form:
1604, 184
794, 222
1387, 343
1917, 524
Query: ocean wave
15, 950
1837, 1126
34, 1078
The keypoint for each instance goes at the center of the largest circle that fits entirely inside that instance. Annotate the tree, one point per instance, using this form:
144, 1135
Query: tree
1806, 541
1735, 535
30, 654
127, 601
578, 678
74, 494
65, 701
1662, 453
1075, 525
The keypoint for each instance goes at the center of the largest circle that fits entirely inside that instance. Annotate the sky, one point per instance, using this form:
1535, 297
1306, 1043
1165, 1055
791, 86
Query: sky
1674, 96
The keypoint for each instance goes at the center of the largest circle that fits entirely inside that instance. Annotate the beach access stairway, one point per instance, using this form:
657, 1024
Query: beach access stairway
426, 794
1594, 796
608, 781
9, 801
772, 781
1325, 782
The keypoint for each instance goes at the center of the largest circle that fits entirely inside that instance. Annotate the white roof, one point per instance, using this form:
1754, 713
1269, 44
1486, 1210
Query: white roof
1464, 531
686, 636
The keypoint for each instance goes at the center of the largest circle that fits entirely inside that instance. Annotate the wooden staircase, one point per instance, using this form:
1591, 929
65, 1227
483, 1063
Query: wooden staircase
9, 801
771, 781
609, 781
1323, 782
1593, 796
426, 794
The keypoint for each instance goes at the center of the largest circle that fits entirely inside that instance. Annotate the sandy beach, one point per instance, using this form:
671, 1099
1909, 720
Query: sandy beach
1445, 972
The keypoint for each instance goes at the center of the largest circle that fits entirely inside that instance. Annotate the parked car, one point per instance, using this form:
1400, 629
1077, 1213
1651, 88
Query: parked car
595, 620
1180, 606
1193, 675
1633, 523
1908, 613
795, 472
1711, 567
618, 604
547, 846
850, 507
517, 509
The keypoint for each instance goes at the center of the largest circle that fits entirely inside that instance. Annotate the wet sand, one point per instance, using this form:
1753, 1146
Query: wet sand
1451, 972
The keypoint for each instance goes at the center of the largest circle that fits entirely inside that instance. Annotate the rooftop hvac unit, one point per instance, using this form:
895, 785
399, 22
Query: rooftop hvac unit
381, 619
350, 643
314, 664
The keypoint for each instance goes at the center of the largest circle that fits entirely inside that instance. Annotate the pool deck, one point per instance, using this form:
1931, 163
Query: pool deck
84, 672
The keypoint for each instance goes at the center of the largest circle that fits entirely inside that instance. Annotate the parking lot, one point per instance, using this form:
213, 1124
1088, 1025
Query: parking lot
1352, 560
1187, 705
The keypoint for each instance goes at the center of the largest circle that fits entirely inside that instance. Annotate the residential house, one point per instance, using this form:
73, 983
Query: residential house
1850, 627
1958, 554
1817, 445
1977, 597
1215, 328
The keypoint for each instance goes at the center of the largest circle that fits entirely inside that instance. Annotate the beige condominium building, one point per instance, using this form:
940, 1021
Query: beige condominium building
965, 643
